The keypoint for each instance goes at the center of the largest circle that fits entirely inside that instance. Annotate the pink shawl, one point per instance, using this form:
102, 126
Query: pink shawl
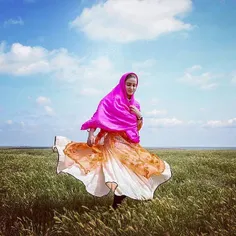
113, 112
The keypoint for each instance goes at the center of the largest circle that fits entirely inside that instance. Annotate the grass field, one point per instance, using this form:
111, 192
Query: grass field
200, 199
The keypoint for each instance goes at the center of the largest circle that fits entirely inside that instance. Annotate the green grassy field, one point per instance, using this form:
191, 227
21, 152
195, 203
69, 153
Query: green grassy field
200, 198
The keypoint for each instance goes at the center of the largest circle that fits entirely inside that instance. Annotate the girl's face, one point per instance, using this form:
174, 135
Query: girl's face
130, 86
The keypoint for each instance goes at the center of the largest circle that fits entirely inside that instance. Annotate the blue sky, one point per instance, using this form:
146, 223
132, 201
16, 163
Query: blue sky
59, 58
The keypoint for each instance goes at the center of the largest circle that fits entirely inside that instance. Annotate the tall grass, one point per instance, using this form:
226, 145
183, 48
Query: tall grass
200, 198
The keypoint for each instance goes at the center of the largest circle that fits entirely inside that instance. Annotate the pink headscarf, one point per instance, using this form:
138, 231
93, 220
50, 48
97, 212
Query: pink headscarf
113, 112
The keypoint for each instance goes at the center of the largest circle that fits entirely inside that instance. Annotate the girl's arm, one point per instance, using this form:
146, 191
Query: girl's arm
138, 114
140, 123
91, 131
91, 137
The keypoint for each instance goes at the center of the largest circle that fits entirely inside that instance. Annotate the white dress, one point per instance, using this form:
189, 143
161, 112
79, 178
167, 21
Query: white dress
136, 172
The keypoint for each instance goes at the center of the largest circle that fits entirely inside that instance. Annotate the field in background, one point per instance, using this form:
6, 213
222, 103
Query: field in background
200, 198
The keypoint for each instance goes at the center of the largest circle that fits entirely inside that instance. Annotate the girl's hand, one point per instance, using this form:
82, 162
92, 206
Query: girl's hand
91, 137
135, 110
90, 140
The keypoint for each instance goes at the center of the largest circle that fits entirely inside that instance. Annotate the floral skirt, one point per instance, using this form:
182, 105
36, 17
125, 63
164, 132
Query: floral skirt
133, 170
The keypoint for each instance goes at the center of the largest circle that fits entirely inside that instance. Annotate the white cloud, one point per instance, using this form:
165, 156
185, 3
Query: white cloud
143, 70
18, 21
19, 127
194, 68
233, 77
9, 122
164, 122
98, 72
90, 92
43, 100
231, 123
155, 113
195, 122
2, 47
49, 110
25, 60
154, 101
64, 66
127, 21
204, 80
144, 64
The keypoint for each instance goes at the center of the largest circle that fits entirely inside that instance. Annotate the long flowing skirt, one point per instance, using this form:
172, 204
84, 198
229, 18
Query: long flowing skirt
133, 170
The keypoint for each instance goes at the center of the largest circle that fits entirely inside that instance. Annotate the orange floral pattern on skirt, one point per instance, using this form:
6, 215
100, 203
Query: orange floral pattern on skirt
115, 145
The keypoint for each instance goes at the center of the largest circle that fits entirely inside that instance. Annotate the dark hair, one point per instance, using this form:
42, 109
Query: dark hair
131, 76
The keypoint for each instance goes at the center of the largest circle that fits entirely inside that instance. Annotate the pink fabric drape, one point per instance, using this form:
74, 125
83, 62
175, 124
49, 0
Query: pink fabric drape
113, 112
